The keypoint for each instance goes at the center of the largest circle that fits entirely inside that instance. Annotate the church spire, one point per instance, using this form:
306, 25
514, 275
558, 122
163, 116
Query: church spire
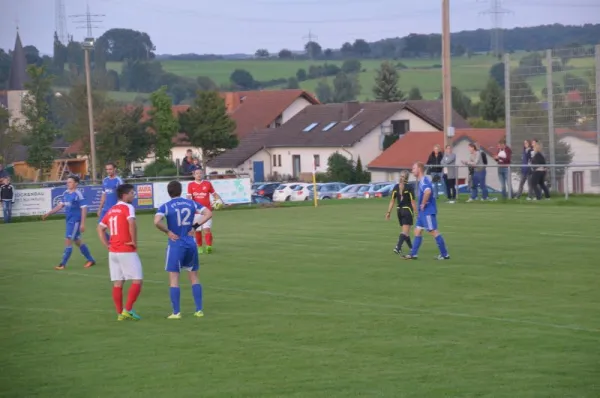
18, 67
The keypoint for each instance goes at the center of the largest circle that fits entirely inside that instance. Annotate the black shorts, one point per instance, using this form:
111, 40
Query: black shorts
405, 216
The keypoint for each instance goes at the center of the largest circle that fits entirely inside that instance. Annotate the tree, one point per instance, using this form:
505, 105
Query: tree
340, 168
386, 84
361, 47
328, 53
345, 87
415, 94
347, 50
285, 54
32, 55
206, 84
208, 126
59, 57
492, 102
301, 75
361, 176
163, 123
8, 137
324, 92
262, 53
351, 66
313, 49
292, 83
243, 79
122, 44
38, 130
497, 73
461, 103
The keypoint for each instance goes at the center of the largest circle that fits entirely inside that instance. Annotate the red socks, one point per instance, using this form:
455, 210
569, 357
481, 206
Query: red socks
117, 294
132, 295
199, 239
209, 239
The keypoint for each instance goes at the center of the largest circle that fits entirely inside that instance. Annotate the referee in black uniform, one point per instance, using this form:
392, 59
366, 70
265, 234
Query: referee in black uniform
404, 195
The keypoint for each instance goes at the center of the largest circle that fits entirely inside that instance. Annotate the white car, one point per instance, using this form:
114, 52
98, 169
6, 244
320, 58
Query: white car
301, 192
283, 192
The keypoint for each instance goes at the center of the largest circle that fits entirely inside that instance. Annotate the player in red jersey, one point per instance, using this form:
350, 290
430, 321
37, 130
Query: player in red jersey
123, 260
199, 191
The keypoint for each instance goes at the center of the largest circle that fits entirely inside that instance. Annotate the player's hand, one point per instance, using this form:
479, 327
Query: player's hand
44, 217
387, 215
82, 228
422, 207
131, 244
172, 236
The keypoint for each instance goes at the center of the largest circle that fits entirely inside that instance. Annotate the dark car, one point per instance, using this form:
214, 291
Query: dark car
257, 199
267, 189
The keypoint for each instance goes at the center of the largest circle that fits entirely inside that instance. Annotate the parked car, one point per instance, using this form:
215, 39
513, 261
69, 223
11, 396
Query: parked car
301, 192
373, 188
283, 192
327, 190
387, 190
267, 189
350, 191
255, 186
257, 199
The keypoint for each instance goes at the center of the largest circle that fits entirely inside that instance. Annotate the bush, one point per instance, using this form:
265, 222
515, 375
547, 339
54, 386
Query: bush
154, 169
168, 172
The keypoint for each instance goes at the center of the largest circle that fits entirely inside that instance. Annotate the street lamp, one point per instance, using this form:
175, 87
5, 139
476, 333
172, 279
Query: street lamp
88, 46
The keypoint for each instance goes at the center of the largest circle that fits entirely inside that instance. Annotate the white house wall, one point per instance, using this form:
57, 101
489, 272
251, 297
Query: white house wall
296, 106
584, 153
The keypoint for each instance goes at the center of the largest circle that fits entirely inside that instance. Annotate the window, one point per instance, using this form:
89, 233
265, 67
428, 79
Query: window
329, 126
274, 160
351, 126
400, 127
310, 127
279, 160
317, 160
595, 177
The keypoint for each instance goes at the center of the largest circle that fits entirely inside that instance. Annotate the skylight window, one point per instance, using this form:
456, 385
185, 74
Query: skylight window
351, 126
329, 126
310, 127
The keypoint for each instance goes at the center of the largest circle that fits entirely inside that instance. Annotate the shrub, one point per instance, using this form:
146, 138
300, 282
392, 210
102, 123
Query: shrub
154, 168
168, 172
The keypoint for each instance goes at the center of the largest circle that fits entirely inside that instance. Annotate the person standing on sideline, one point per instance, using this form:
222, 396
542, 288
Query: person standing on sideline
200, 191
7, 199
187, 162
476, 163
525, 170
427, 218
538, 179
503, 158
75, 207
123, 261
450, 173
435, 158
404, 194
109, 196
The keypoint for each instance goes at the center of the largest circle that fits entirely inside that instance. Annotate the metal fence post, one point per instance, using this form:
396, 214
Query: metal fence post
566, 182
598, 99
551, 132
507, 123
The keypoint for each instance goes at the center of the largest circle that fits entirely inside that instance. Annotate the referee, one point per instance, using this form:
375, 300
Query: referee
404, 195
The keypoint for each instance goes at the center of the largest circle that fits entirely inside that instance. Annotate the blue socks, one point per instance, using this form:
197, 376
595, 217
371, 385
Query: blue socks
86, 253
175, 294
441, 245
416, 245
66, 255
197, 293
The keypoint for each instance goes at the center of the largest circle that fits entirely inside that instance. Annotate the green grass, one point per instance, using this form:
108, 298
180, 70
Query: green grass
305, 302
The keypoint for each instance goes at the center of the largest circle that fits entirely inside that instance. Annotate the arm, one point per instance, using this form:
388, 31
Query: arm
101, 205
14, 194
426, 196
163, 228
413, 202
83, 216
53, 211
133, 231
206, 215
101, 229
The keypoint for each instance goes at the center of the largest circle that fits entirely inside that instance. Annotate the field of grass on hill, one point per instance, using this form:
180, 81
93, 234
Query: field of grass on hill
468, 74
305, 302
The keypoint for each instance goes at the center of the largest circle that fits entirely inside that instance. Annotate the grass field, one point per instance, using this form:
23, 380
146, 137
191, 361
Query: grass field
304, 302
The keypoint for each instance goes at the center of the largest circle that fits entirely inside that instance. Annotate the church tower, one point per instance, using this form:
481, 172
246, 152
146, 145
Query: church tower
16, 81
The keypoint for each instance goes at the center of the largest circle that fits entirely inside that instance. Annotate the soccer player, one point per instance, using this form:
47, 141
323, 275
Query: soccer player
75, 211
123, 261
405, 196
109, 191
199, 191
426, 218
181, 249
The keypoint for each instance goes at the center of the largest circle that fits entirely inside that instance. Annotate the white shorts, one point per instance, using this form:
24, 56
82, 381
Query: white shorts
124, 266
206, 225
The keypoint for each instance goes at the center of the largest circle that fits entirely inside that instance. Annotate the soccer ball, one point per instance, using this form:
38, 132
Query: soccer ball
218, 205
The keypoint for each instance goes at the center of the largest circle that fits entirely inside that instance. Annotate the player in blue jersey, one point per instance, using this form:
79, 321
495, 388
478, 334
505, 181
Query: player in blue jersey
75, 207
427, 218
109, 191
182, 253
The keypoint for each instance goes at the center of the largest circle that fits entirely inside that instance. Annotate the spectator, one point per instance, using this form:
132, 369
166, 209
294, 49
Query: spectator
435, 158
525, 170
7, 198
450, 173
538, 179
195, 165
3, 172
476, 162
503, 158
187, 162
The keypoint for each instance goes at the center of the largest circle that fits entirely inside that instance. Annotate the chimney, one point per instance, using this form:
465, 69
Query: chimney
232, 101
350, 109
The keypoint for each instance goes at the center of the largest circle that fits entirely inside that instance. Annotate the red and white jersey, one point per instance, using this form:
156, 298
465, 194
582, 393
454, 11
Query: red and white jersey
200, 192
117, 221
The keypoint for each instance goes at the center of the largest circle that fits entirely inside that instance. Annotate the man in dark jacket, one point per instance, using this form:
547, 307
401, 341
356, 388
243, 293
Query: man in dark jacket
187, 163
7, 198
435, 158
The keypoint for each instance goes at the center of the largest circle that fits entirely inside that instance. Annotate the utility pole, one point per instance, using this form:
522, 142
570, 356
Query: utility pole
496, 11
311, 38
446, 71
88, 46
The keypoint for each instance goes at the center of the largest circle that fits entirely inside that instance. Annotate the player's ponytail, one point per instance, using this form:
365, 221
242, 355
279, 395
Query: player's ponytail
403, 179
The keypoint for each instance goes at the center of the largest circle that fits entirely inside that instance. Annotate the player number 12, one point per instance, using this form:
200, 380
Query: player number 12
183, 216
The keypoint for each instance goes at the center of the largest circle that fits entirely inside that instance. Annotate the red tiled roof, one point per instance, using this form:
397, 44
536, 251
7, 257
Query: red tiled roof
416, 146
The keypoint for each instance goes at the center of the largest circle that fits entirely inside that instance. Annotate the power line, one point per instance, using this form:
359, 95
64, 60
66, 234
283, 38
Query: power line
496, 11
311, 38
61, 21
86, 21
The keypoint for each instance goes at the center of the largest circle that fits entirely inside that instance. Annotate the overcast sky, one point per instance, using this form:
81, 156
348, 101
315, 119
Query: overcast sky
234, 26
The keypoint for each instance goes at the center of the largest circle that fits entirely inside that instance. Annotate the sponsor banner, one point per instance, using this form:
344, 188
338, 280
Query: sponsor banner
231, 190
92, 195
31, 202
144, 196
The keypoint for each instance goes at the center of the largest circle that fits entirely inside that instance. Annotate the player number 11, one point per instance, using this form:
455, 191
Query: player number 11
112, 225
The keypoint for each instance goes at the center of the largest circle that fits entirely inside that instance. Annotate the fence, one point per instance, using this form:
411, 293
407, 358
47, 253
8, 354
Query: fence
553, 97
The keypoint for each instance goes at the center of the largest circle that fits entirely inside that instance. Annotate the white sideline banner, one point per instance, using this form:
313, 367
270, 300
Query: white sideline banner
31, 202
231, 190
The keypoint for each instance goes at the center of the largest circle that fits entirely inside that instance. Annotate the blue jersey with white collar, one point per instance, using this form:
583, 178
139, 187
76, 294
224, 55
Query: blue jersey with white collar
180, 213
73, 203
109, 188
431, 207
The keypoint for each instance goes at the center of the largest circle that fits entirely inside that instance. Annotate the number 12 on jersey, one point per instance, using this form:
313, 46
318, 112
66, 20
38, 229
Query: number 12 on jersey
183, 217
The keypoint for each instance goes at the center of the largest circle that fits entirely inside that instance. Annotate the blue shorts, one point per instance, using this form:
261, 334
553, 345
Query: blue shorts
73, 232
426, 222
181, 257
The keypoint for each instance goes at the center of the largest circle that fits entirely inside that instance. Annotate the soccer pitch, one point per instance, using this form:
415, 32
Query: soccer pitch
305, 302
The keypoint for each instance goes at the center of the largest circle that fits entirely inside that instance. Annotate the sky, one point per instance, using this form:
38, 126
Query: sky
242, 26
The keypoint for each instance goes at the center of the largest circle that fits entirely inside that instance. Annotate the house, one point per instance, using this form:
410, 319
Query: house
355, 130
584, 175
416, 146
